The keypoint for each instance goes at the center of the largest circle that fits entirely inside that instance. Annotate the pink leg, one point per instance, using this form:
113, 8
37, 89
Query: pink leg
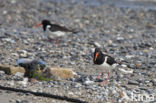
50, 40
100, 75
57, 41
106, 81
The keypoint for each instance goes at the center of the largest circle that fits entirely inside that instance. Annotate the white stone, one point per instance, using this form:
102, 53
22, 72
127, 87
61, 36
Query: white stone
24, 82
129, 56
123, 65
126, 71
89, 82
97, 44
19, 74
5, 12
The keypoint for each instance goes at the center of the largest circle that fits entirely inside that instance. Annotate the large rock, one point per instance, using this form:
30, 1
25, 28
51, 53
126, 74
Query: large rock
31, 65
11, 69
63, 73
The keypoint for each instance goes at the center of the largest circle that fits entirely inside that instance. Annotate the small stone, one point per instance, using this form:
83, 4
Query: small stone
124, 65
12, 101
88, 82
149, 26
97, 44
153, 81
120, 38
126, 70
13, 1
109, 42
5, 12
132, 66
19, 74
24, 101
23, 53
138, 65
124, 98
33, 80
18, 101
131, 82
24, 82
8, 40
151, 48
15, 54
2, 72
129, 56
11, 83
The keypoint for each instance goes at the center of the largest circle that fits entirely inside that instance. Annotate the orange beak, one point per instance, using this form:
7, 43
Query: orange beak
96, 55
38, 25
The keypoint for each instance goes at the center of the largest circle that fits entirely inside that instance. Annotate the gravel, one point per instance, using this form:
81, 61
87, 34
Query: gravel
128, 34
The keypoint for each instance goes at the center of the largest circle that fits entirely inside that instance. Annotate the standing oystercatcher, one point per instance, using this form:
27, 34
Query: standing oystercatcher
104, 62
54, 30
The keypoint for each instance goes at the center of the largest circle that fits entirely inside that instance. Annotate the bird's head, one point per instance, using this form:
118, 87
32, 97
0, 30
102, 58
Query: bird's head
97, 54
45, 23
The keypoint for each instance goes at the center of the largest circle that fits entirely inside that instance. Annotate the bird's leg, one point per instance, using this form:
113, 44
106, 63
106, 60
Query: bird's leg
106, 81
50, 39
57, 40
100, 75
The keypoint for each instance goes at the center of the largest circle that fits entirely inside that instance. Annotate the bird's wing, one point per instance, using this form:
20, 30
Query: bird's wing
110, 60
55, 27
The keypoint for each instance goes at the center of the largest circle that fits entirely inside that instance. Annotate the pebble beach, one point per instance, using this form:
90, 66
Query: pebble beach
128, 33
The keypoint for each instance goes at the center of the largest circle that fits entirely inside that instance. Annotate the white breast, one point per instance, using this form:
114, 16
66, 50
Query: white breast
106, 66
58, 33
105, 62
54, 34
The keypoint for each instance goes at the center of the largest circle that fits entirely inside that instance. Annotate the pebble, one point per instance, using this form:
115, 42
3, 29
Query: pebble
153, 81
13, 1
124, 65
19, 74
131, 82
24, 82
24, 101
97, 44
5, 12
126, 70
109, 42
11, 83
18, 101
2, 72
10, 40
88, 82
129, 56
23, 53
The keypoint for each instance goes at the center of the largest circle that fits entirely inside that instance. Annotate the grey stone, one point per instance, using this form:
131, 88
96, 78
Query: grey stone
131, 82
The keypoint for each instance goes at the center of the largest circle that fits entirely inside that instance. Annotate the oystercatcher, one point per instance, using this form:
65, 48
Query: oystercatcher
104, 62
54, 30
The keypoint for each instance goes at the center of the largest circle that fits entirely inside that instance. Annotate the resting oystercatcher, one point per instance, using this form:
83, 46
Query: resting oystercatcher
104, 62
54, 30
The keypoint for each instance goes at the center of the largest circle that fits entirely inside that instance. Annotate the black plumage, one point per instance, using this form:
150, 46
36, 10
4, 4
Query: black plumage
101, 58
55, 27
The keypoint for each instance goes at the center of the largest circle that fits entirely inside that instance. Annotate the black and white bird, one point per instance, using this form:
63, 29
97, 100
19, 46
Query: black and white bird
54, 30
104, 62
